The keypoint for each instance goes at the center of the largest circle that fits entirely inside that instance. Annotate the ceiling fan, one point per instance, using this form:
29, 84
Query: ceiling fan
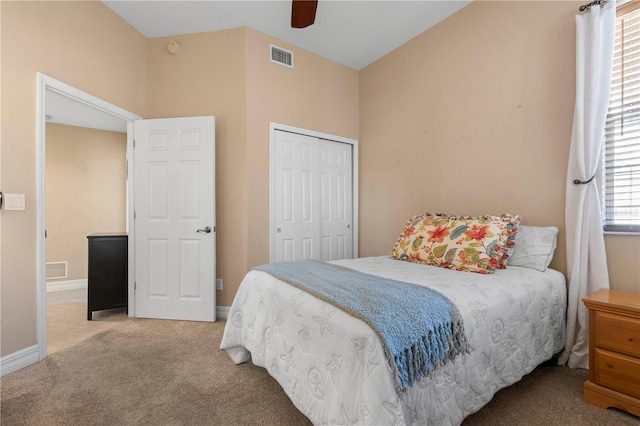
303, 13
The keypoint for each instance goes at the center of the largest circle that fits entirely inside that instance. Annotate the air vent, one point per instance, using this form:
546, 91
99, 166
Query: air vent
281, 56
57, 270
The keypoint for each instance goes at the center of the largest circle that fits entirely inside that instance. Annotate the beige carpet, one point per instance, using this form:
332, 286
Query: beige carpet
154, 372
67, 323
145, 372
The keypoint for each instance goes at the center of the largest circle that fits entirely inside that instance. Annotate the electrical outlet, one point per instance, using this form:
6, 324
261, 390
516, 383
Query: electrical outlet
218, 283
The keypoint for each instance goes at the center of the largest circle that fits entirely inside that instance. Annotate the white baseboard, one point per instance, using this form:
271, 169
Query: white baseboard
222, 311
66, 285
17, 360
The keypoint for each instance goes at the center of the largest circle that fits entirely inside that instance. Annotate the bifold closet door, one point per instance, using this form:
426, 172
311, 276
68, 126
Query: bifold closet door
336, 200
312, 191
296, 189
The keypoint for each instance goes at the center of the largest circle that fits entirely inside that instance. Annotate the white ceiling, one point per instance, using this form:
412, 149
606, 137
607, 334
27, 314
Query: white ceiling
354, 33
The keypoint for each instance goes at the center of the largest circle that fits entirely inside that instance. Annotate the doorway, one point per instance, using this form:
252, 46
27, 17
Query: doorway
72, 107
85, 194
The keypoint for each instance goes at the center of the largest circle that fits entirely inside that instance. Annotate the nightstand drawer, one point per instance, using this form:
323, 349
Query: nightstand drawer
618, 372
618, 333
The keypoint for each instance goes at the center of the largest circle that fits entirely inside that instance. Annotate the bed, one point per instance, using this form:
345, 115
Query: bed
332, 365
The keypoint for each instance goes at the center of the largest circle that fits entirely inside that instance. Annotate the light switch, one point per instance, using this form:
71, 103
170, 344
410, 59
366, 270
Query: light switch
14, 201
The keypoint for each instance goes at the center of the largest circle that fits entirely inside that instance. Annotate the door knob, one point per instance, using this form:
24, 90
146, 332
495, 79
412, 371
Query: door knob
206, 229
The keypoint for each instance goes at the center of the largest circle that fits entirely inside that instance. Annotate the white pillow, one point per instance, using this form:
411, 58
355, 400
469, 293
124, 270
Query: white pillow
534, 247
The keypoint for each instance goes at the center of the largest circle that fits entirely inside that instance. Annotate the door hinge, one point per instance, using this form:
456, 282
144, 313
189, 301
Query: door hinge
134, 215
135, 285
134, 143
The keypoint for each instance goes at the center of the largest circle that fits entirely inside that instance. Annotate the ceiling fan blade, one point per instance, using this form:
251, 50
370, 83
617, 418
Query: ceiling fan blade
303, 13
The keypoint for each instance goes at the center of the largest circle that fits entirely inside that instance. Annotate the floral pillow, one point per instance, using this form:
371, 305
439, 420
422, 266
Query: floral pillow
463, 243
512, 224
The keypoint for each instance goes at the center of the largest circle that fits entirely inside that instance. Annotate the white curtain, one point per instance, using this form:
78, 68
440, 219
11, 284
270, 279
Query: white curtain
586, 257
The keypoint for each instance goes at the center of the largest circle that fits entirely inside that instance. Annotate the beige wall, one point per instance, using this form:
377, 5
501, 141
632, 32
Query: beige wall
85, 45
623, 260
474, 116
317, 94
228, 74
86, 191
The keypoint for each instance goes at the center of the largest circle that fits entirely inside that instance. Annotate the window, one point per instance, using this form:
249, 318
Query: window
621, 154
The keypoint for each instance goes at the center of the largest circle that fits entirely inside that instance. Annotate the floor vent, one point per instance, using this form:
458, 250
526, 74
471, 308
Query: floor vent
281, 56
57, 270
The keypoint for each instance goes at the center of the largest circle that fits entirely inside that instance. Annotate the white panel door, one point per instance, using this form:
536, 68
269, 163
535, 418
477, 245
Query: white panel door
312, 198
336, 203
296, 204
175, 218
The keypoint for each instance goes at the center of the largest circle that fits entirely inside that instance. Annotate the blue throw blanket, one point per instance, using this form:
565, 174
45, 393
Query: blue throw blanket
419, 327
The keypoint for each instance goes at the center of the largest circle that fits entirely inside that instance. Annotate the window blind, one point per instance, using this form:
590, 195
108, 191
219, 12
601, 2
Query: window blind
621, 154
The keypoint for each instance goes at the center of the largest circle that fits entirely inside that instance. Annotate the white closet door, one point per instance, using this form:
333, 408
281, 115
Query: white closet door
312, 198
336, 203
296, 170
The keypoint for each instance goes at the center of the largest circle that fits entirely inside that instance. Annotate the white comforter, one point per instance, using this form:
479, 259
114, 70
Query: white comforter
333, 367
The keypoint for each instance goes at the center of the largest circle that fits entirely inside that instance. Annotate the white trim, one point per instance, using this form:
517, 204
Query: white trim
629, 234
130, 225
355, 182
356, 185
43, 84
41, 269
222, 311
66, 285
17, 360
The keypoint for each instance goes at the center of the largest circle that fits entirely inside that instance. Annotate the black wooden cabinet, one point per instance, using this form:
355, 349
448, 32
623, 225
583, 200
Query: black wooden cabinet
108, 272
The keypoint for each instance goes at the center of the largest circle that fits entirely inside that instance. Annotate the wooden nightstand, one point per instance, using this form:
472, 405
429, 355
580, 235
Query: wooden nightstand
614, 350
